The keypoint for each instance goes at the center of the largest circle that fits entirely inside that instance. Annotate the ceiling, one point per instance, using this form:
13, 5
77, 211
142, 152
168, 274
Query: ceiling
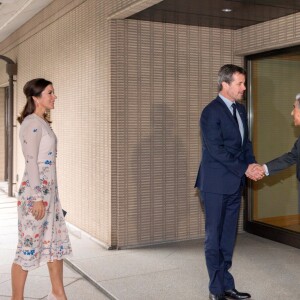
14, 13
210, 13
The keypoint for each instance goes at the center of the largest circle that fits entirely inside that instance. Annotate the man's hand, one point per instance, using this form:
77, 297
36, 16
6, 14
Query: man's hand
255, 172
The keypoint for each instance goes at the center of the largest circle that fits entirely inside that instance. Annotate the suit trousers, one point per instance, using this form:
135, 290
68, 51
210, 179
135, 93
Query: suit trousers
221, 221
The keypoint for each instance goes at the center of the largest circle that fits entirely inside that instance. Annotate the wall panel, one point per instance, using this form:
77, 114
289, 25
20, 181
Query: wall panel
162, 77
129, 98
275, 34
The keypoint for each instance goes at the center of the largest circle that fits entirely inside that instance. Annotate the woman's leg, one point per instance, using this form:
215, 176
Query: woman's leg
18, 279
56, 277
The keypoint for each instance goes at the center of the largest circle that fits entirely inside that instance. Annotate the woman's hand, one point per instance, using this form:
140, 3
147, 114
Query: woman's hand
38, 210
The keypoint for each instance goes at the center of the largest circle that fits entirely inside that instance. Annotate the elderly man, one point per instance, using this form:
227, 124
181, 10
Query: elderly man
290, 158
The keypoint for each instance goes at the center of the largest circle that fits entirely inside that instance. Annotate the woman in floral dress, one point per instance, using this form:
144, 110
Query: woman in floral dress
43, 235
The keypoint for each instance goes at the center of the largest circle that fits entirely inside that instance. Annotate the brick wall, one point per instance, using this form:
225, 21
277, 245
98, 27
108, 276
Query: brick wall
129, 98
162, 77
69, 43
275, 34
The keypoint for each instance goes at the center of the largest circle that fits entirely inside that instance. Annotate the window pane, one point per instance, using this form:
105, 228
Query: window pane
274, 84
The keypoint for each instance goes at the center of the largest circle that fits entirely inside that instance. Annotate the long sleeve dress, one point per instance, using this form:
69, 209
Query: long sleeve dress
47, 239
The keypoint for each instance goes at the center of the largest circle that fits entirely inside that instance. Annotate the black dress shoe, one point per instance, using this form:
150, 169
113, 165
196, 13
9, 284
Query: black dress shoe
216, 297
234, 294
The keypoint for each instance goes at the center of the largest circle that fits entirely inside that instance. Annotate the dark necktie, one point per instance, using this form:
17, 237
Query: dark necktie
234, 112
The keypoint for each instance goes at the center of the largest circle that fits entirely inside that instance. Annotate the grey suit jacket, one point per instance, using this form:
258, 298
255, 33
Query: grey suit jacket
286, 160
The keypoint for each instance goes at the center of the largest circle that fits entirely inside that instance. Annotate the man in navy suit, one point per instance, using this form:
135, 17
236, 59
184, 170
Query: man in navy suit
227, 156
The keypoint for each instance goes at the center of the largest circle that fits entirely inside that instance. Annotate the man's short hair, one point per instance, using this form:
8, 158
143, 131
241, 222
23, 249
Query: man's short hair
226, 72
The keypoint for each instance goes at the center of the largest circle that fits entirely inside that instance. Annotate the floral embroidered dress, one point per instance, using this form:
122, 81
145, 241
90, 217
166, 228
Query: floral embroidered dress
46, 239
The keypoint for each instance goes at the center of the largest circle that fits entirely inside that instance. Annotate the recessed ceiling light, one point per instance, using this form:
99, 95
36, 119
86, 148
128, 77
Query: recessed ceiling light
227, 10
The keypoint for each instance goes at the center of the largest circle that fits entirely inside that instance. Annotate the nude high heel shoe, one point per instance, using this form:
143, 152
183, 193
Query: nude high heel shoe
51, 297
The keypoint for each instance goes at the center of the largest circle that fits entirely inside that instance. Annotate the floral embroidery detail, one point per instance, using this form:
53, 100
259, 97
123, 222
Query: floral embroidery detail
28, 252
21, 190
35, 243
37, 189
29, 224
28, 241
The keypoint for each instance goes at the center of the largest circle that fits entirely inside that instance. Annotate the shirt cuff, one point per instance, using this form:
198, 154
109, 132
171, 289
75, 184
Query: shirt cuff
266, 170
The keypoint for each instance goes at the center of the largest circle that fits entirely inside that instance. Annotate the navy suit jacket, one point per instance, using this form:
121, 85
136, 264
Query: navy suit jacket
286, 160
225, 158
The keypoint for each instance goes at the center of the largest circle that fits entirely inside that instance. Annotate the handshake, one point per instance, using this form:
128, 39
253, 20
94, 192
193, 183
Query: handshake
255, 172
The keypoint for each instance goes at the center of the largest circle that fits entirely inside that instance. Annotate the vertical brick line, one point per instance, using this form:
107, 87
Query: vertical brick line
164, 100
125, 140
177, 78
188, 135
152, 129
139, 137
196, 136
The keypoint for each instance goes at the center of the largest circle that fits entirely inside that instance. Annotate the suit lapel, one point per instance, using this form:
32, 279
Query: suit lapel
227, 111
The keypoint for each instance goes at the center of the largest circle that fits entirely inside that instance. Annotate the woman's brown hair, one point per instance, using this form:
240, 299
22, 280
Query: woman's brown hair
33, 88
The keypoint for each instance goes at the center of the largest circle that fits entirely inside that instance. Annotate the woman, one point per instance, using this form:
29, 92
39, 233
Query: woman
43, 233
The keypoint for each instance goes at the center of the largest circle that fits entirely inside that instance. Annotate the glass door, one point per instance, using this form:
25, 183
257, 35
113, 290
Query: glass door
273, 203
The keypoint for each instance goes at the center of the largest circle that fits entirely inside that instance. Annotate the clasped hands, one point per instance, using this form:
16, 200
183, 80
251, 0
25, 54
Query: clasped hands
255, 172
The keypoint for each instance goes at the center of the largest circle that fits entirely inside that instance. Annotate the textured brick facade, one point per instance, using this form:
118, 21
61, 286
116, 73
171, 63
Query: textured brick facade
279, 33
129, 98
162, 77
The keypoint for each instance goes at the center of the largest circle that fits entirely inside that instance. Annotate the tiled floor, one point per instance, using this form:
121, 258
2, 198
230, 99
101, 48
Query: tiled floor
266, 269
38, 282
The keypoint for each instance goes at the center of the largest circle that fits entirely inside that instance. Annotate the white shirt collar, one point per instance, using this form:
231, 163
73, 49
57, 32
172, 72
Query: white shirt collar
226, 101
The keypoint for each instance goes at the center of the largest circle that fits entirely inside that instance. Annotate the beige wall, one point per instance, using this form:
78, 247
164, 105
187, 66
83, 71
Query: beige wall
2, 133
69, 44
279, 33
129, 97
162, 77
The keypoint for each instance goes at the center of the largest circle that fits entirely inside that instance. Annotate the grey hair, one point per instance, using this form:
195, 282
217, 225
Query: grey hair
298, 100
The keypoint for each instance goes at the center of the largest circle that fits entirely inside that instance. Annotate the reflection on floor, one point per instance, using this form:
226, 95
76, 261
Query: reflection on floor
291, 222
